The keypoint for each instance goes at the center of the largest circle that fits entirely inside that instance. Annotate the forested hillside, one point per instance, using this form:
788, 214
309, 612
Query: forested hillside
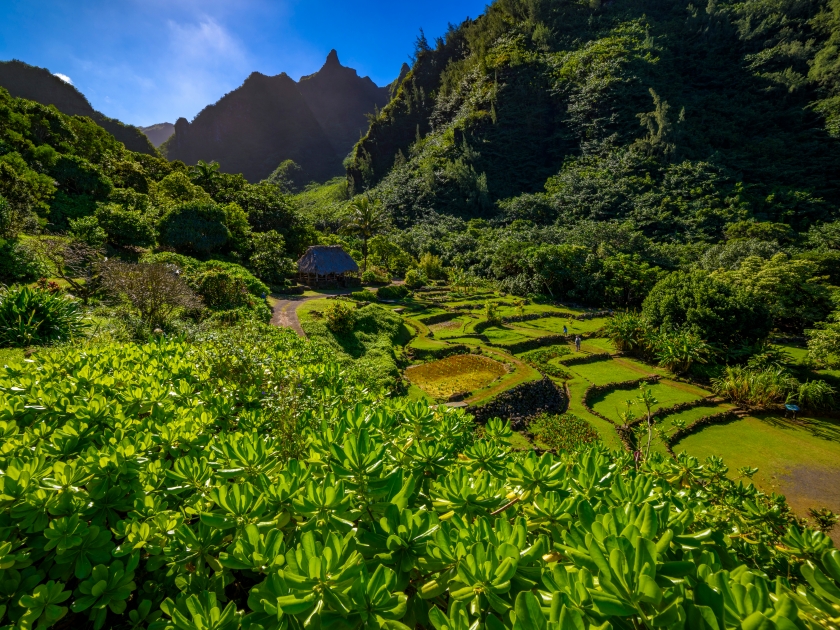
679, 117
38, 84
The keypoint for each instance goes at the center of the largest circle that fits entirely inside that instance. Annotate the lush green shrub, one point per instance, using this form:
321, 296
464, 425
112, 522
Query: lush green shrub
125, 227
414, 279
88, 230
491, 314
824, 342
392, 292
194, 228
244, 463
221, 290
708, 308
18, 262
192, 268
37, 316
269, 259
375, 276
564, 432
771, 386
629, 332
340, 316
364, 296
431, 267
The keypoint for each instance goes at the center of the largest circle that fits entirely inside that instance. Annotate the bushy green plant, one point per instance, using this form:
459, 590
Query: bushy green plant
340, 317
193, 476
392, 292
709, 308
124, 226
431, 266
37, 316
269, 259
491, 314
562, 432
414, 279
679, 350
88, 230
363, 296
194, 228
628, 331
375, 276
18, 262
771, 386
221, 290
824, 342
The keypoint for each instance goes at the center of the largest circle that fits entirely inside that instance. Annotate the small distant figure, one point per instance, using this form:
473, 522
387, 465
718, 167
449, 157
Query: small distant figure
565, 330
577, 343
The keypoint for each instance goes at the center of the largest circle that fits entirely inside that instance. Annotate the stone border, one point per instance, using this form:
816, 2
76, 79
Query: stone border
522, 402
592, 358
431, 320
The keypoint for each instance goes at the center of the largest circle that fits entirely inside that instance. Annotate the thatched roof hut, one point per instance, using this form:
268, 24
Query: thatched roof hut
325, 265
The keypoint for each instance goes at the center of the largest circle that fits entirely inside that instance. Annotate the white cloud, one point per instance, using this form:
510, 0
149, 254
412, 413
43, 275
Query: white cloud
63, 77
200, 41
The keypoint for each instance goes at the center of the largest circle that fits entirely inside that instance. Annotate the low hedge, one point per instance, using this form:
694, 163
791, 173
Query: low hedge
591, 358
392, 292
532, 344
425, 354
438, 318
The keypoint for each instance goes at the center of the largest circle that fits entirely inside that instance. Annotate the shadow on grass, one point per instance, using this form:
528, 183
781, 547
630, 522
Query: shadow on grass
818, 427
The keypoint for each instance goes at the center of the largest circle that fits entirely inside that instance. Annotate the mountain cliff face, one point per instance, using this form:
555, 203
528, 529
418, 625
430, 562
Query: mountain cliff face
40, 85
268, 120
341, 101
159, 133
674, 116
253, 129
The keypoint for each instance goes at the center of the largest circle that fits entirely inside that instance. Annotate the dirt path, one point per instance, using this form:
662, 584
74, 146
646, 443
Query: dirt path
285, 313
284, 309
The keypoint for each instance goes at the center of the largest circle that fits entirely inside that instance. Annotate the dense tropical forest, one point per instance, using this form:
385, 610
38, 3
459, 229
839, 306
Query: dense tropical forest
589, 378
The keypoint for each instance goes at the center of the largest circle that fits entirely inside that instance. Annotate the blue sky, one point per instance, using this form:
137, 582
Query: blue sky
149, 61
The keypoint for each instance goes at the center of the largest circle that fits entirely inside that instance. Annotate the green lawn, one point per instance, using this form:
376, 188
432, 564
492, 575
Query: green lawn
597, 345
304, 310
577, 386
11, 356
507, 334
801, 461
666, 393
797, 353
555, 325
603, 372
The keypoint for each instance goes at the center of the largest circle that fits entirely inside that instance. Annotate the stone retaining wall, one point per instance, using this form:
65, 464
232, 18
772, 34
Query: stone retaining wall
522, 403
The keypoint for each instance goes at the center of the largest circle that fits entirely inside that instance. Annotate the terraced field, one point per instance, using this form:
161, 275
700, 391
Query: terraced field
802, 460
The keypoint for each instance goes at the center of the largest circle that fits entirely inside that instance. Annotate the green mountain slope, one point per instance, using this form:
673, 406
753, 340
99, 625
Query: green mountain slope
39, 84
678, 117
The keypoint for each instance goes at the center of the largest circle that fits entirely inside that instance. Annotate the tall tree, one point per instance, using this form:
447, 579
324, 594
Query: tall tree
366, 220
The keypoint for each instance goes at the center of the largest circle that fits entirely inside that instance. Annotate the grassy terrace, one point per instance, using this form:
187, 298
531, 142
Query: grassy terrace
801, 460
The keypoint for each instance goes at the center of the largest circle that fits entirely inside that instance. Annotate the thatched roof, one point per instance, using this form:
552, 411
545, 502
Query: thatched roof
326, 259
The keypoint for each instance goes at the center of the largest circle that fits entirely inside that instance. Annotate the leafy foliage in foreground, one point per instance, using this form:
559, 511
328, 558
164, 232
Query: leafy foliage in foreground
152, 487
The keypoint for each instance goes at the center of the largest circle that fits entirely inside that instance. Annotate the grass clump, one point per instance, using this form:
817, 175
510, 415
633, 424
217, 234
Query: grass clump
563, 432
460, 373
